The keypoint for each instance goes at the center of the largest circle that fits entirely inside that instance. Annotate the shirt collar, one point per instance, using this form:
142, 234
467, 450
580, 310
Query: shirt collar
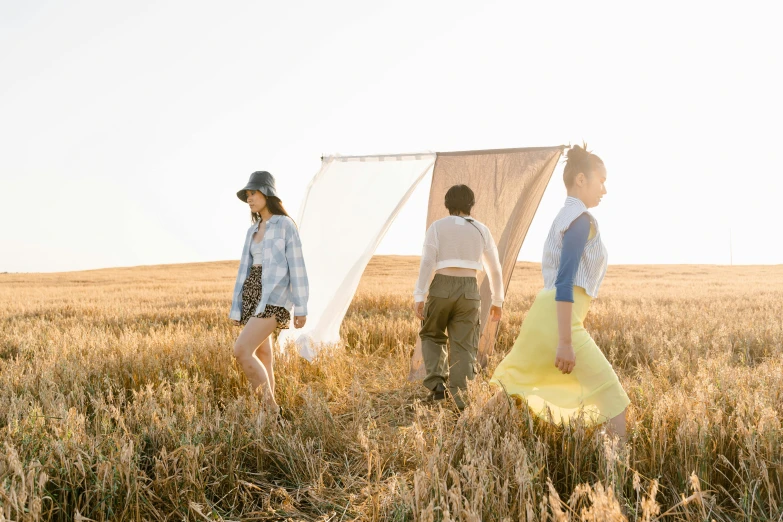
274, 219
575, 201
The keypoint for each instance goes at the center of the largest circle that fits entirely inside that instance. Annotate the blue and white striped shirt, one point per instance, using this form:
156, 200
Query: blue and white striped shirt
592, 265
284, 277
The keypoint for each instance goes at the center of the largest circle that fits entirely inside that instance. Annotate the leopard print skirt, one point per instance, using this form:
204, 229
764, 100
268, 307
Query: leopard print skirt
251, 295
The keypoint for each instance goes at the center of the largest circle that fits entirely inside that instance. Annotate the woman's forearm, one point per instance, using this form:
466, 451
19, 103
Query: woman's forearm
564, 309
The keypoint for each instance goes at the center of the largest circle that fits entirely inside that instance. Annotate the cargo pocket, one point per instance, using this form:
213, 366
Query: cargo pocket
477, 333
435, 291
473, 304
473, 298
473, 295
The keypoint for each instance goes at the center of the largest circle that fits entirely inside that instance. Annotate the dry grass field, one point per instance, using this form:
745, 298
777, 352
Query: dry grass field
119, 400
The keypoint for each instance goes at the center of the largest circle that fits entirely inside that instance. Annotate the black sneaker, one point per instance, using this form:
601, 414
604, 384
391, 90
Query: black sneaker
439, 393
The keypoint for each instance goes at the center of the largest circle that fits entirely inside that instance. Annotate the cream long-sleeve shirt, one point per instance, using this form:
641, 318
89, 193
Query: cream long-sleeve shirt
460, 242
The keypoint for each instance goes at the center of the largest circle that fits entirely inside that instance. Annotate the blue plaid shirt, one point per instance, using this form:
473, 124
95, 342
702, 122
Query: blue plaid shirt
284, 278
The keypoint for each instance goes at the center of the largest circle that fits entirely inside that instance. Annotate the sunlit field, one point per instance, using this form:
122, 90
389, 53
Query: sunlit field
119, 400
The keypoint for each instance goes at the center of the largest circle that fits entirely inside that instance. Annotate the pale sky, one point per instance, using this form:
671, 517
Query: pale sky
127, 127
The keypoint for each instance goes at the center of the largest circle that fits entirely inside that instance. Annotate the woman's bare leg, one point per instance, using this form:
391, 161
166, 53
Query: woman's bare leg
264, 354
253, 335
616, 426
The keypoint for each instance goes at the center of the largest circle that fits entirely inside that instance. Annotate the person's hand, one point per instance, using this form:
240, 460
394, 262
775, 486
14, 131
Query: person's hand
495, 312
299, 321
565, 360
235, 322
418, 309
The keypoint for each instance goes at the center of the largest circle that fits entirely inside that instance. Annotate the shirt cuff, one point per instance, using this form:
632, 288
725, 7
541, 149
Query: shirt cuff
564, 294
418, 298
497, 302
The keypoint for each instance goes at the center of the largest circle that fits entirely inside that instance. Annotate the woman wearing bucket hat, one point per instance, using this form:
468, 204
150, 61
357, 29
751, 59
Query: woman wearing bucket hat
271, 281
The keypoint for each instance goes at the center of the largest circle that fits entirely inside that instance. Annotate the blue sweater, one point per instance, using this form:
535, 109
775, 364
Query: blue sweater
574, 241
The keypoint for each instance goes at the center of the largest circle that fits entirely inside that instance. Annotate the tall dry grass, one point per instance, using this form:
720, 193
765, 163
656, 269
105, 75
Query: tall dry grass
119, 400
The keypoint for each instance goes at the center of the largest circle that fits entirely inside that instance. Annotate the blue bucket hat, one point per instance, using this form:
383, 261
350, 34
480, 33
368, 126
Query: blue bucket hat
262, 181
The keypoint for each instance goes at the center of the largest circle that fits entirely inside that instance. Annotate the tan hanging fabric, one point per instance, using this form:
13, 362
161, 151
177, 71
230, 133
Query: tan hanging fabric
509, 185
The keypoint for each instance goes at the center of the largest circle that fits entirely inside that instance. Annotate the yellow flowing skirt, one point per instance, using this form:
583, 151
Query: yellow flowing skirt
529, 371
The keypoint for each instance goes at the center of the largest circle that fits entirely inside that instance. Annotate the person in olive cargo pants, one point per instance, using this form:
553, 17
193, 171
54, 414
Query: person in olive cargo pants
456, 248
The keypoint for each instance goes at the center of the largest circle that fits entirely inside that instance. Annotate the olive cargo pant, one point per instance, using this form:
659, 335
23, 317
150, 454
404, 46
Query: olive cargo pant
453, 304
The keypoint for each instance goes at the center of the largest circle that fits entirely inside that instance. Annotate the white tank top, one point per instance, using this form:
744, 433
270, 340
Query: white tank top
255, 251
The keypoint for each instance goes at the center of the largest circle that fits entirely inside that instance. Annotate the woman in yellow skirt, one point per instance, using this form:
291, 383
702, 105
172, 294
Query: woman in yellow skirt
554, 364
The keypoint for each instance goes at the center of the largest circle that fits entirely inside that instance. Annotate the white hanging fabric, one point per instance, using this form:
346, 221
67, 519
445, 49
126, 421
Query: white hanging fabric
348, 208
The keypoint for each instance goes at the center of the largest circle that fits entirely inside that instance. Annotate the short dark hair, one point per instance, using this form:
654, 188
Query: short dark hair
579, 159
460, 198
